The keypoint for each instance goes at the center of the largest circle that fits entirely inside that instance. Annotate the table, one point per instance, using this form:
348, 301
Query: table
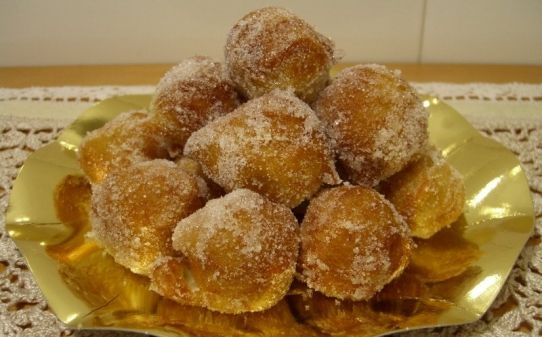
502, 101
19, 77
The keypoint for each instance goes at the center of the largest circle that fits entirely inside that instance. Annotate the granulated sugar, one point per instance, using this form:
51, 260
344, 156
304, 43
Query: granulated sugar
274, 145
376, 121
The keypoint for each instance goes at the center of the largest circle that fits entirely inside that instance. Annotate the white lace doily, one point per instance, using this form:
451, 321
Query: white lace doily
509, 113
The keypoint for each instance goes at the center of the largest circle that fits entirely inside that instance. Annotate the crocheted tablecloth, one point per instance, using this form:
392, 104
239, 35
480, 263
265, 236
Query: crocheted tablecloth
509, 113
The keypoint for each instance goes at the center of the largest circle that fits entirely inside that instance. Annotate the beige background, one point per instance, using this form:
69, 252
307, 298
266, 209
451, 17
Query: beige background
54, 32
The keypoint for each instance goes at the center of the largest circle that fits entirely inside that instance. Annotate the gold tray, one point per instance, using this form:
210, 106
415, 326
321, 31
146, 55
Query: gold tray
87, 290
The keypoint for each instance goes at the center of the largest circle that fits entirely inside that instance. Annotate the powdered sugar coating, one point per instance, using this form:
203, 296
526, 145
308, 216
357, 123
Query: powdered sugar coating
238, 254
191, 94
274, 145
353, 242
272, 48
376, 122
129, 138
135, 210
429, 193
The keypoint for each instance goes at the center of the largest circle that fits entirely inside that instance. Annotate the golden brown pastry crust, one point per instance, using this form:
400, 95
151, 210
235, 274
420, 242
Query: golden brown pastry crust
134, 211
237, 254
353, 242
429, 193
272, 48
188, 96
274, 145
129, 138
375, 120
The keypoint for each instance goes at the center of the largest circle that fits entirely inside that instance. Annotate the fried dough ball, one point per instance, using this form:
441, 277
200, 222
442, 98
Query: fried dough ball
353, 242
274, 145
429, 193
134, 211
376, 121
189, 95
272, 48
129, 138
238, 254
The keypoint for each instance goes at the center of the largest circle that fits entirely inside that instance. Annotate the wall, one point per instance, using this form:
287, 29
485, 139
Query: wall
37, 32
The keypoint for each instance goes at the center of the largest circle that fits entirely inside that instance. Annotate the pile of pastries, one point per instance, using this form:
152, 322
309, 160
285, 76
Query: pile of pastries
246, 175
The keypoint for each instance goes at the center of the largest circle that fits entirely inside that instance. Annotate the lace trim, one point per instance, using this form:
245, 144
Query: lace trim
70, 94
514, 92
516, 312
473, 91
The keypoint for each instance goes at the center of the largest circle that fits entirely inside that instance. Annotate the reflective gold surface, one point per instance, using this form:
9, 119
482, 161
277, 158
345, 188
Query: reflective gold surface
86, 289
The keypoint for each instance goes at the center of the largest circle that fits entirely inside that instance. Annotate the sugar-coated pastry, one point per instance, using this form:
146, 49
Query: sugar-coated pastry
274, 145
237, 254
258, 196
134, 211
376, 121
272, 48
353, 242
189, 95
129, 138
429, 193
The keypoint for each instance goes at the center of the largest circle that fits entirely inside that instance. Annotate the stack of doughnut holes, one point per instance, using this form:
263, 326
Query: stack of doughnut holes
246, 175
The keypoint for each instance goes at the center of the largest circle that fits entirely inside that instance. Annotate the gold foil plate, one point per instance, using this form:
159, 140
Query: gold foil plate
87, 290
